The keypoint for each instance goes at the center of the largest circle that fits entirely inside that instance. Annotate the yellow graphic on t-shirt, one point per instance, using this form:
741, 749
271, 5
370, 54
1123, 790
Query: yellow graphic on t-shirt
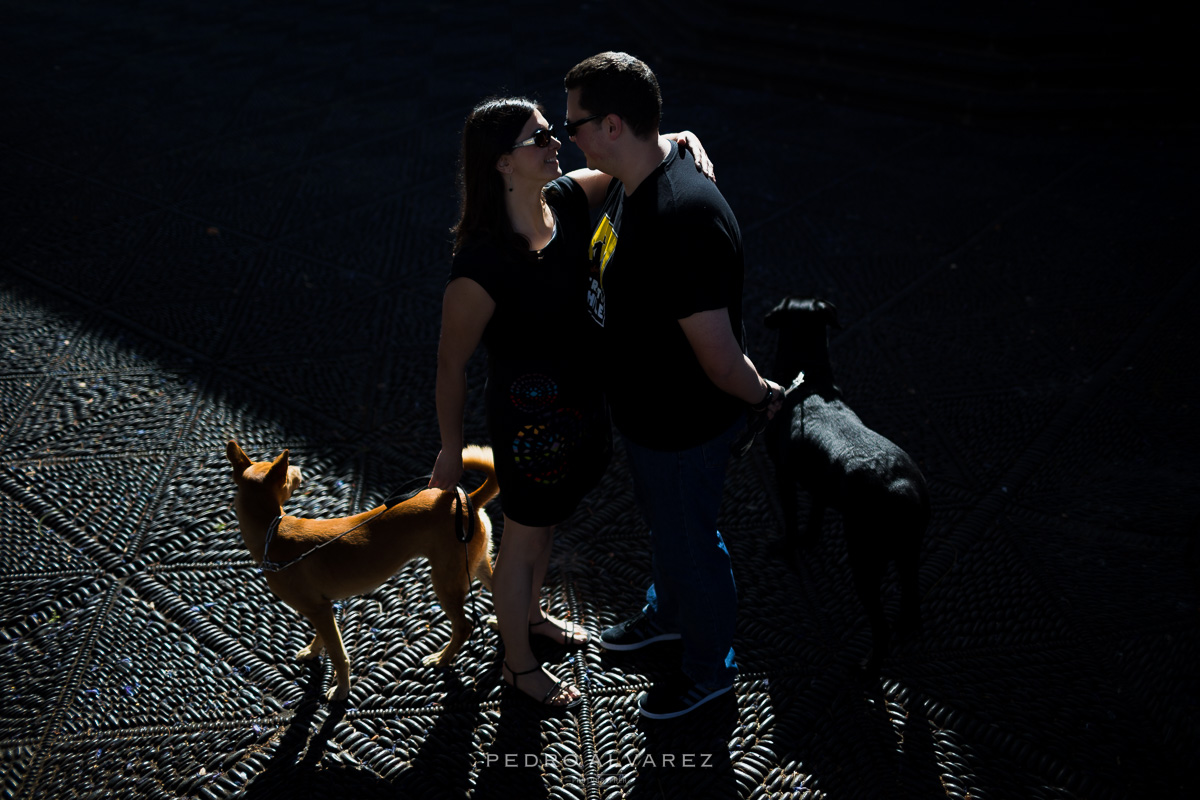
604, 242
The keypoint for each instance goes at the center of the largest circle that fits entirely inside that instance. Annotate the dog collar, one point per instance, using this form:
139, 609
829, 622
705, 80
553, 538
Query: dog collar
267, 564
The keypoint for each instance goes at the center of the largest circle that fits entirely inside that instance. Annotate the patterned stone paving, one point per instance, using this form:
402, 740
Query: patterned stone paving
230, 220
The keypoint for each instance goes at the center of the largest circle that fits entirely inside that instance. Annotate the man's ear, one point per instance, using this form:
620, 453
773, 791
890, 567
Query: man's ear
613, 125
238, 458
278, 471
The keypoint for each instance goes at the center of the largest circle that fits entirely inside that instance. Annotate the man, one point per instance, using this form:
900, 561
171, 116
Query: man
666, 287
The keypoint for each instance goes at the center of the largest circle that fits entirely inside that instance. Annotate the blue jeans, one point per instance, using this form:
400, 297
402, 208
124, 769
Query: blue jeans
693, 593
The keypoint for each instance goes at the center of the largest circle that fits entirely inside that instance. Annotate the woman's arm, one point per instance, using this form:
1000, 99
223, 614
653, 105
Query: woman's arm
466, 309
595, 183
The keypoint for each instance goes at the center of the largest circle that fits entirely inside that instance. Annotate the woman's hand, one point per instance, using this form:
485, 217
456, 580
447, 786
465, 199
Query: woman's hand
689, 141
447, 470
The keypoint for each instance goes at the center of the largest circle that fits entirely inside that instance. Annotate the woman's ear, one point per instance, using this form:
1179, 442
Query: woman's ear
504, 163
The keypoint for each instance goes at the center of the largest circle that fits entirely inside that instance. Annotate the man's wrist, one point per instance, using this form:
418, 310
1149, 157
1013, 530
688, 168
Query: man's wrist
763, 404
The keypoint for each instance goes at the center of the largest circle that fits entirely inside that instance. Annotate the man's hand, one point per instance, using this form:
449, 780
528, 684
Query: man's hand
757, 418
776, 398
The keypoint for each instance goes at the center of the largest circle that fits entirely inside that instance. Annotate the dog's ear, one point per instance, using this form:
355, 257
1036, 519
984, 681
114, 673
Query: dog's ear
773, 318
238, 458
278, 471
829, 310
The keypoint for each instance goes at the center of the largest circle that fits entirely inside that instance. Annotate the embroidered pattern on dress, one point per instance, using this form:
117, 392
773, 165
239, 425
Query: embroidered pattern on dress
542, 447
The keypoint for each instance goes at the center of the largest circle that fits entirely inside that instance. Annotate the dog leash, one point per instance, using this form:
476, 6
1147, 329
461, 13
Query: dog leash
757, 422
462, 507
464, 533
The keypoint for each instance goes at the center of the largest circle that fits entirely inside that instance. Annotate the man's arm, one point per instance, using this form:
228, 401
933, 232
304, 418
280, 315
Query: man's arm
710, 333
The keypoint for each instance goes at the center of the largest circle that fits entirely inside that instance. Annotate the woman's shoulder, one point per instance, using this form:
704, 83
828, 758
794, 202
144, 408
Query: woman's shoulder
479, 249
569, 201
564, 192
481, 259
469, 250
562, 185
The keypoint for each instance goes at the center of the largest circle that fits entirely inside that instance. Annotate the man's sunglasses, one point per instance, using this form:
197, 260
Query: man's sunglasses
541, 137
572, 127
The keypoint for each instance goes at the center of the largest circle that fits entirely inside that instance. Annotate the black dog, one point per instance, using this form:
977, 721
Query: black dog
818, 443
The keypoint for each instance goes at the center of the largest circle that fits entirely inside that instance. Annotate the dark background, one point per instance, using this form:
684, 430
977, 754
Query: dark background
231, 219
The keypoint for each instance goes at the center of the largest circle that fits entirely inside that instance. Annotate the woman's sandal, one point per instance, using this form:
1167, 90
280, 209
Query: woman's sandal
559, 688
568, 632
569, 639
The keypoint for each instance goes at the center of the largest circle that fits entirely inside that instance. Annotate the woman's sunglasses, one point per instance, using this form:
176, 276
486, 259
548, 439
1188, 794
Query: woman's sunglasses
541, 137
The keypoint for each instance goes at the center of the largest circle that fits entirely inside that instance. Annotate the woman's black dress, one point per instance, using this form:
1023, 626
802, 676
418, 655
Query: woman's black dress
546, 414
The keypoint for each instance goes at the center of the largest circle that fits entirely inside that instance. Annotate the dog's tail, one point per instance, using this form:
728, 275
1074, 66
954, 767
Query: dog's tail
478, 457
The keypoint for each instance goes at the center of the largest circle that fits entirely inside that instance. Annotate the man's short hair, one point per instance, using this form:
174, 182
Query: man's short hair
618, 83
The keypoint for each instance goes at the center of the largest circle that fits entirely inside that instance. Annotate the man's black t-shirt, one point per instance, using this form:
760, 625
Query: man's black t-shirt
671, 249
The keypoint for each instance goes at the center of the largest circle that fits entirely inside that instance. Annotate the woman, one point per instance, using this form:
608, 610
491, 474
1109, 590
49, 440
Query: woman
518, 283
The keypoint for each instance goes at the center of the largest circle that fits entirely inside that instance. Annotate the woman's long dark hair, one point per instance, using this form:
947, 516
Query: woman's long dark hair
489, 132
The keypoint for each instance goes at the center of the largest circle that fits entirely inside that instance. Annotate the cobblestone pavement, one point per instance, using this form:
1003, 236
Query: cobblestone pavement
230, 220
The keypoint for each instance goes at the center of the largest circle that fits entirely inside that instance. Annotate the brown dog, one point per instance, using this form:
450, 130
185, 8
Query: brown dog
383, 541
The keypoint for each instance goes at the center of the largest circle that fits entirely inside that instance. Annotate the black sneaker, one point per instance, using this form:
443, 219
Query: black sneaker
675, 697
635, 632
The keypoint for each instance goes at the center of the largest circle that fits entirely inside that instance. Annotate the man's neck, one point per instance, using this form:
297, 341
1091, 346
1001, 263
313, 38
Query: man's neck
643, 160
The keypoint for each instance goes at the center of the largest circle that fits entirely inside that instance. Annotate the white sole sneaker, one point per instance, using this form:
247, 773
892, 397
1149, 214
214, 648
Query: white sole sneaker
694, 696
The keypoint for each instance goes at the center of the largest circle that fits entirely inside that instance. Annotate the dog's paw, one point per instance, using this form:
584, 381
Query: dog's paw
908, 628
337, 693
870, 664
868, 667
785, 551
436, 660
308, 653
